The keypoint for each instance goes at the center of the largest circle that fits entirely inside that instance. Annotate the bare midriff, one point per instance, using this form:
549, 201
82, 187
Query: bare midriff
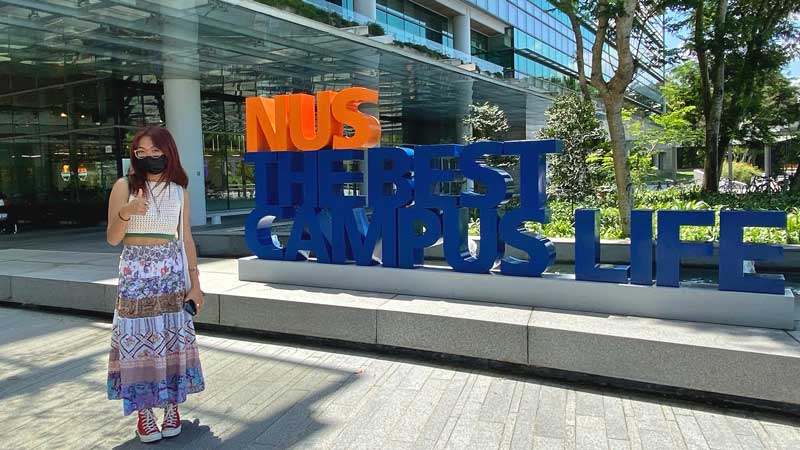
141, 240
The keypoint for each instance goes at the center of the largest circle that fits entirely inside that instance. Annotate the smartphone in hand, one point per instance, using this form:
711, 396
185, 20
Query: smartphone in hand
190, 307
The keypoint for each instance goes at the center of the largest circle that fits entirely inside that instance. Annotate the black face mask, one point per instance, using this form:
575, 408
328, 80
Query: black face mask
154, 165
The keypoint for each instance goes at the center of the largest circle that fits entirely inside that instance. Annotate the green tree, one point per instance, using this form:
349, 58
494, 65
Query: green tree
612, 21
738, 44
487, 122
574, 173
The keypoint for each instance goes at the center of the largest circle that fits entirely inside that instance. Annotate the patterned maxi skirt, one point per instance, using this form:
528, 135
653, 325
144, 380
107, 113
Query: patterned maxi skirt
154, 358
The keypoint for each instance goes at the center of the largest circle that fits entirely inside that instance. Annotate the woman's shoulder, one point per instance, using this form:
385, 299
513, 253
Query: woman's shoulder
122, 184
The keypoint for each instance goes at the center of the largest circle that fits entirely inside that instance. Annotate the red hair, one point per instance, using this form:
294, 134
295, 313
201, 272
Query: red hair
162, 139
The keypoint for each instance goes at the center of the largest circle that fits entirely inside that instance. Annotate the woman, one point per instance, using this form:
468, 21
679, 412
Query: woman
154, 359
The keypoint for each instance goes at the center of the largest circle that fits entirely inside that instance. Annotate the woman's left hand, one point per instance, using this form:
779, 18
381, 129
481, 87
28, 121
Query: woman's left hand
197, 295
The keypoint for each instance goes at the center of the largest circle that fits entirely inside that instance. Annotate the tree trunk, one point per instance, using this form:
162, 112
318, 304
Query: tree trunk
711, 163
616, 130
713, 85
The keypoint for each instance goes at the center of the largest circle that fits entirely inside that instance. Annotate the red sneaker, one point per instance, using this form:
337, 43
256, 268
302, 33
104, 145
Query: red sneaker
172, 421
147, 429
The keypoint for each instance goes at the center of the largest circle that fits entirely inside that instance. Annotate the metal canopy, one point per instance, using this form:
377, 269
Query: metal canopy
269, 50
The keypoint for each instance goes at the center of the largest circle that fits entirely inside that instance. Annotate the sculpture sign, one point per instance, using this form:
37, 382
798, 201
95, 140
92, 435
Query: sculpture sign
303, 148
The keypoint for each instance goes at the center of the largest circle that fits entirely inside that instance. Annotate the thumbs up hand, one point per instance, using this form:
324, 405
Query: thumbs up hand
138, 205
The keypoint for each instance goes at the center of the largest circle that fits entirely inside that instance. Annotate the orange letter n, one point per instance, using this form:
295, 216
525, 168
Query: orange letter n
266, 124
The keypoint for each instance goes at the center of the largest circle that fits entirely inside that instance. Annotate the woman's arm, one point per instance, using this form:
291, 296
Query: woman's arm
120, 210
195, 293
117, 206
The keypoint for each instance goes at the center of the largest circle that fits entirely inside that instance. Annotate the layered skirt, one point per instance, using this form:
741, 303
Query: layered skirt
154, 359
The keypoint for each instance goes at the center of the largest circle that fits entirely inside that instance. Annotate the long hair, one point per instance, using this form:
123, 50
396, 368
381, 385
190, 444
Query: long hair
162, 139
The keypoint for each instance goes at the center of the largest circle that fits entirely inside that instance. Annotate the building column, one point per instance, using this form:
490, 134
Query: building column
767, 160
182, 109
461, 33
181, 77
366, 8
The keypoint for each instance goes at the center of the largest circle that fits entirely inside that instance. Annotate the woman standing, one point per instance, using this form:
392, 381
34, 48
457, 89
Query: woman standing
154, 359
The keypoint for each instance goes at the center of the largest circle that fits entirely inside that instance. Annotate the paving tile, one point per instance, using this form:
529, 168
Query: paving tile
590, 433
618, 444
692, 434
615, 418
656, 440
717, 432
550, 418
546, 443
497, 404
588, 404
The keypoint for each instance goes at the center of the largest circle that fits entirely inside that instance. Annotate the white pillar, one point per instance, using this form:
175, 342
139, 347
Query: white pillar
365, 8
461, 33
182, 108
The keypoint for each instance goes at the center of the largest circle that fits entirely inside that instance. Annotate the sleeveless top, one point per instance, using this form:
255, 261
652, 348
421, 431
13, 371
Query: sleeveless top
163, 214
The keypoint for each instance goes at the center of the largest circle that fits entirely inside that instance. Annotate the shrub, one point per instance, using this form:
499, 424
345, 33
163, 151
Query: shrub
742, 171
375, 29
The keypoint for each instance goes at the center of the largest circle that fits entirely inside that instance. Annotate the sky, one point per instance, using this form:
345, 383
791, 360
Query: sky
792, 70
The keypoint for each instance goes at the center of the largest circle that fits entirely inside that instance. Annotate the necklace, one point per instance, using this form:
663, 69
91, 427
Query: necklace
152, 192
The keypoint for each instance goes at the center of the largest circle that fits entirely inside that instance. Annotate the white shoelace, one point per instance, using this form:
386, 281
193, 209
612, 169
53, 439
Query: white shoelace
148, 421
170, 418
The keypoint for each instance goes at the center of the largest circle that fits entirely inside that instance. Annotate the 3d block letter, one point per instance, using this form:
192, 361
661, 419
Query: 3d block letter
587, 251
733, 252
670, 248
642, 247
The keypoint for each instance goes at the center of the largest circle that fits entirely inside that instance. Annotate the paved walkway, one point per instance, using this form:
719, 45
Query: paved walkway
271, 395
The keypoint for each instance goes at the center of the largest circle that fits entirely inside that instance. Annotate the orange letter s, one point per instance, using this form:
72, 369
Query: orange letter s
344, 109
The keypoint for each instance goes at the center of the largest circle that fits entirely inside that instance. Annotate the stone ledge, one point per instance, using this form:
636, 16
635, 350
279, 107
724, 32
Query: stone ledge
330, 314
746, 362
486, 330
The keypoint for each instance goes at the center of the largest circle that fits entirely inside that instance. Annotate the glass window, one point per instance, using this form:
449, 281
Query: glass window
215, 171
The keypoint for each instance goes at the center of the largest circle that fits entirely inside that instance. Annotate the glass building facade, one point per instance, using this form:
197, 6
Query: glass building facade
77, 79
538, 42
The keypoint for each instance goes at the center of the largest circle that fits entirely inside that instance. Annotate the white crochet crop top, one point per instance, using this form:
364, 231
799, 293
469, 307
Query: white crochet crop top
163, 214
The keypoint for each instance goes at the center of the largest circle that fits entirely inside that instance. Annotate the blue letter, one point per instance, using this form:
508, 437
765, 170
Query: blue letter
258, 231
297, 179
533, 178
587, 251
266, 176
332, 178
670, 248
427, 177
541, 252
642, 247
733, 252
410, 243
389, 169
313, 239
456, 244
499, 185
362, 236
